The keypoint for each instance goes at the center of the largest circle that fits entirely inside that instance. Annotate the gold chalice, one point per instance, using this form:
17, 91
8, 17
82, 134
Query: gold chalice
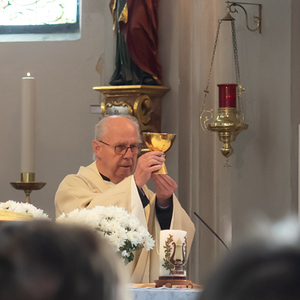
159, 142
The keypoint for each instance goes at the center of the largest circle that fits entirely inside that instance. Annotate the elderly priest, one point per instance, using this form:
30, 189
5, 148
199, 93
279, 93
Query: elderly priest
118, 177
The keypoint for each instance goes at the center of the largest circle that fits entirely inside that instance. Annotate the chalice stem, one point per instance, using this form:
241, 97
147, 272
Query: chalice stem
163, 170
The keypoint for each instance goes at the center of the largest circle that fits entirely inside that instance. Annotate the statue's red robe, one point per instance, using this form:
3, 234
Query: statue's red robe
139, 25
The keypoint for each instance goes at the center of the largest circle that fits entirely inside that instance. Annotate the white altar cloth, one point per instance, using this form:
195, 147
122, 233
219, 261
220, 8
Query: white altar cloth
164, 293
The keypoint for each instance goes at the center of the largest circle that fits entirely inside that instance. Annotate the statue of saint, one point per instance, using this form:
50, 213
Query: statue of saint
136, 29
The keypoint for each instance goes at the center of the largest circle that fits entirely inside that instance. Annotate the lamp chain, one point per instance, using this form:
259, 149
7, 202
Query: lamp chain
206, 91
203, 117
237, 71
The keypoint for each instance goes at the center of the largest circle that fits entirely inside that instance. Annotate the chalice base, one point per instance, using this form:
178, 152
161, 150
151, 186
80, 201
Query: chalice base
163, 170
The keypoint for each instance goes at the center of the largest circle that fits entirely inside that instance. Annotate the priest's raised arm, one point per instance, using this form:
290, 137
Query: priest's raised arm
118, 177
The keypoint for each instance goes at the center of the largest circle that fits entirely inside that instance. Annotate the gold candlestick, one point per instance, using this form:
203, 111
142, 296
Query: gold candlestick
28, 184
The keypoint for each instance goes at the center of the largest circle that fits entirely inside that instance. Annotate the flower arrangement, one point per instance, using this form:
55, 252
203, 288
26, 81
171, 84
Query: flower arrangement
20, 207
122, 229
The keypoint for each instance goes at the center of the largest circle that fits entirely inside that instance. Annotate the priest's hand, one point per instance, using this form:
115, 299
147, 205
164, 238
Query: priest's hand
165, 187
147, 164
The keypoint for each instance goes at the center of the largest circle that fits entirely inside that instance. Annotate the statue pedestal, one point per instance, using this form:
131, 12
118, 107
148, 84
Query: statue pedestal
140, 101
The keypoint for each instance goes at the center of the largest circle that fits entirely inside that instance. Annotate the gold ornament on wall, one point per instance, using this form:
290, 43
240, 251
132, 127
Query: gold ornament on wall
140, 101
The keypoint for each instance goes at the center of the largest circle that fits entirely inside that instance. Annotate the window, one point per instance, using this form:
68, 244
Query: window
39, 20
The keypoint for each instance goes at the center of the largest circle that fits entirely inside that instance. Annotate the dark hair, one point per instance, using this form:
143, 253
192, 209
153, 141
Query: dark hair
259, 270
41, 260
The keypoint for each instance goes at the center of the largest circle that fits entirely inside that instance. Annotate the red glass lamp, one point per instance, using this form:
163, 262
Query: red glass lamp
228, 123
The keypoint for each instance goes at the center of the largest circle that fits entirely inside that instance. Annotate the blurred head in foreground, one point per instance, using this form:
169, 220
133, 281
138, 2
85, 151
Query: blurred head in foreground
267, 267
42, 260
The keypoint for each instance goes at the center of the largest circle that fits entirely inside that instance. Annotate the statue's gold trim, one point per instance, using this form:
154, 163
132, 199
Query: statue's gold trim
124, 14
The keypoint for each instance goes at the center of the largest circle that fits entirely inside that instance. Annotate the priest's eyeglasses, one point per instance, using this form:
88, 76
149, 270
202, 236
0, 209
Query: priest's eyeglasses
122, 150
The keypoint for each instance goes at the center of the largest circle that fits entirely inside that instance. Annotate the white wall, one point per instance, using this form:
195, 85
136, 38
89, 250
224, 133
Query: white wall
261, 179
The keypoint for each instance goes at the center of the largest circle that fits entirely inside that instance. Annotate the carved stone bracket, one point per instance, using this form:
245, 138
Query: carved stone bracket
140, 101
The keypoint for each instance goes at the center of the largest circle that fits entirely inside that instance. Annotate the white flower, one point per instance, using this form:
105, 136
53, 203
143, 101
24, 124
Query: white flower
20, 207
122, 229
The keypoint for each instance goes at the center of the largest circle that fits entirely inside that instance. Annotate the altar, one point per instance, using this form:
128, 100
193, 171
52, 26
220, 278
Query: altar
164, 293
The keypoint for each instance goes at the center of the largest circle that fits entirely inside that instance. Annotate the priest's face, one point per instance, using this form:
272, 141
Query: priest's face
120, 131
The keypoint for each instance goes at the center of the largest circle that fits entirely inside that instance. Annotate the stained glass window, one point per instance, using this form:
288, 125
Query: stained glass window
39, 16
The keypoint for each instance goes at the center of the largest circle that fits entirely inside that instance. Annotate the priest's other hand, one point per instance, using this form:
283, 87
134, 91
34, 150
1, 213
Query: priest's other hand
147, 164
165, 187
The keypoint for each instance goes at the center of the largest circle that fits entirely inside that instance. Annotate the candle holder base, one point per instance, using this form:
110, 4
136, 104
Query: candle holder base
173, 281
28, 187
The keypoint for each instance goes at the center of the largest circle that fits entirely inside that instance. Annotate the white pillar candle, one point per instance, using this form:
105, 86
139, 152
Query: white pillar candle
28, 124
167, 248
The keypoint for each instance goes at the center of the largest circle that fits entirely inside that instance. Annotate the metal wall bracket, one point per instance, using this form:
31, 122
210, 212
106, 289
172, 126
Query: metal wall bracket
257, 19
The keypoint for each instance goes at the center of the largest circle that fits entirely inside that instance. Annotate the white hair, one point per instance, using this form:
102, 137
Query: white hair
101, 127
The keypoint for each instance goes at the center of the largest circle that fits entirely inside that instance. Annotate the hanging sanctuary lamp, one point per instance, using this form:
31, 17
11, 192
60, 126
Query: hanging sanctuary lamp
230, 118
